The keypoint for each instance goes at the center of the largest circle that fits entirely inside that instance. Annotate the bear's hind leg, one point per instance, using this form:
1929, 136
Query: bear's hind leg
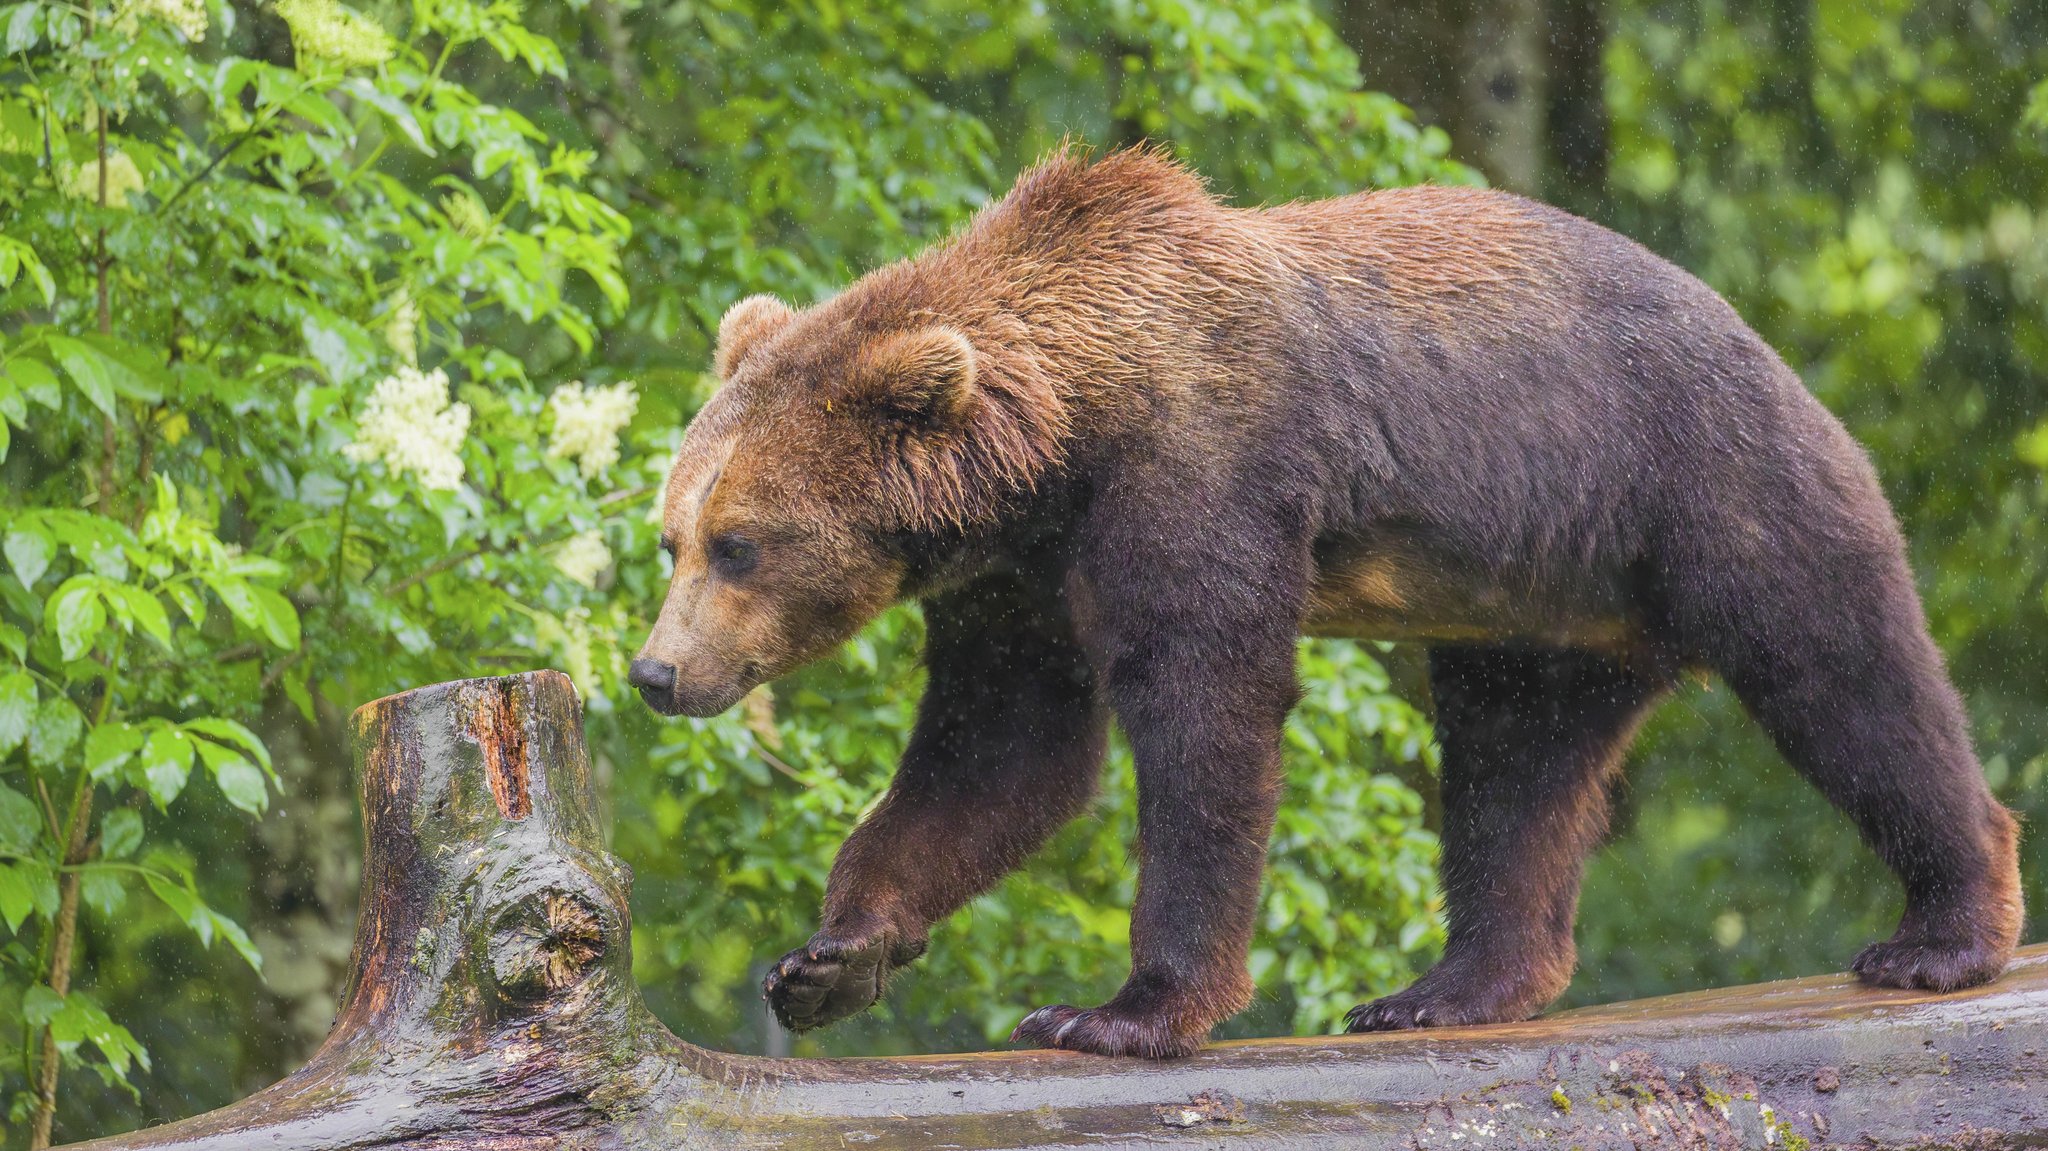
1850, 686
1531, 738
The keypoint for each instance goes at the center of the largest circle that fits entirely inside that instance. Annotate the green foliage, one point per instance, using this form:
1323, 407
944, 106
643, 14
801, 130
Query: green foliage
326, 441
209, 258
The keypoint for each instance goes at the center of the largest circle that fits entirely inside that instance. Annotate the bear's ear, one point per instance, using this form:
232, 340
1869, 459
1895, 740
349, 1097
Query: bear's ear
923, 378
746, 326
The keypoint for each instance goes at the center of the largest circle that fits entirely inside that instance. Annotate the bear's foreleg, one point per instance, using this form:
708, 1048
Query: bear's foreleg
1007, 748
1196, 644
1531, 738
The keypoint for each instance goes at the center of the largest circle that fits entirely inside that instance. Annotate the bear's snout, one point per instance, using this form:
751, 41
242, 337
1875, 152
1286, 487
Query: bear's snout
667, 690
657, 683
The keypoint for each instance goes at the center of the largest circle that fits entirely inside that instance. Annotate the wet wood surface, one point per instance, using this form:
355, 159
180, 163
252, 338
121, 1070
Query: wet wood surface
491, 1005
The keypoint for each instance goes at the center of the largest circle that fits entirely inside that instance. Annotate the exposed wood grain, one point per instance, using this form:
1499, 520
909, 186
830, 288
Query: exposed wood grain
491, 1005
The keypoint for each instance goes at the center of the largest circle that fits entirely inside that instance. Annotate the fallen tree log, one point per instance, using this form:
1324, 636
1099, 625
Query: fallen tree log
491, 1005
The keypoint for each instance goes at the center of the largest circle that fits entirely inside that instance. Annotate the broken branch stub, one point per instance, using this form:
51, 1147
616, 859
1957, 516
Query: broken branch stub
490, 1004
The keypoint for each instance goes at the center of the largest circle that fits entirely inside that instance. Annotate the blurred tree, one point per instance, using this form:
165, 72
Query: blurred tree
1482, 71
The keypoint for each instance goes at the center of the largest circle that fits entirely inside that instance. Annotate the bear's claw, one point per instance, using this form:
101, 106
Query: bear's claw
1392, 1013
1912, 959
831, 978
1104, 1031
1439, 999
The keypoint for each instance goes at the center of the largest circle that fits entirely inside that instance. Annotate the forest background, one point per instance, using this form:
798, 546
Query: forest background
343, 350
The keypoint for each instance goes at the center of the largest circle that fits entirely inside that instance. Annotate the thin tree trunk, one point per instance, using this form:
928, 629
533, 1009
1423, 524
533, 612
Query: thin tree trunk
63, 939
491, 1005
1503, 83
1475, 68
1575, 121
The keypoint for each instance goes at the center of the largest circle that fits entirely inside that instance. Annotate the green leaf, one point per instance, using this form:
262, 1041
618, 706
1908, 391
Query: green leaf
237, 939
130, 367
104, 888
108, 746
90, 370
335, 344
228, 731
279, 618
13, 408
394, 109
189, 600
28, 551
17, 899
80, 1019
182, 901
21, 822
17, 709
165, 764
21, 27
13, 642
37, 381
205, 922
145, 610
120, 832
77, 614
42, 885
239, 780
315, 108
54, 730
39, 1005
17, 257
239, 597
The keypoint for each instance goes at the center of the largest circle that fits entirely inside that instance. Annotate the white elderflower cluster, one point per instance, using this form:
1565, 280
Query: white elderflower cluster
409, 424
187, 16
402, 326
583, 557
325, 30
82, 181
588, 422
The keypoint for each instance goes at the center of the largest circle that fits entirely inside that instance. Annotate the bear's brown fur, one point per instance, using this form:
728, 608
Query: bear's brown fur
1126, 443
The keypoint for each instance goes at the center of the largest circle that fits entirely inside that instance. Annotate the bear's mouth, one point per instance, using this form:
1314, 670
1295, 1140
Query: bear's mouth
698, 700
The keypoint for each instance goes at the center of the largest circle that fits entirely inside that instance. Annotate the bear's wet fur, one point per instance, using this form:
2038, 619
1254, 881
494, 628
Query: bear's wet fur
1126, 443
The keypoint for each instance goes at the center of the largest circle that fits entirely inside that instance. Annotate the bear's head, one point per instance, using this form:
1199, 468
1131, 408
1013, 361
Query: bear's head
838, 436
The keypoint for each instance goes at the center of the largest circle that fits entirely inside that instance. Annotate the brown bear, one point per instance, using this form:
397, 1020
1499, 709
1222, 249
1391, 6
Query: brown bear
1125, 443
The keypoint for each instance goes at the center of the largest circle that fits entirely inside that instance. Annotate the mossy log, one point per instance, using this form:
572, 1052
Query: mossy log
491, 1005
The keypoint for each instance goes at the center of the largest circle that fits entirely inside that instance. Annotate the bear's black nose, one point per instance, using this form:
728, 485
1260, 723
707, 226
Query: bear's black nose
655, 679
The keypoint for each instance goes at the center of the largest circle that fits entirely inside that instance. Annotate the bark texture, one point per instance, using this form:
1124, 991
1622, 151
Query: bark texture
491, 1005
1476, 68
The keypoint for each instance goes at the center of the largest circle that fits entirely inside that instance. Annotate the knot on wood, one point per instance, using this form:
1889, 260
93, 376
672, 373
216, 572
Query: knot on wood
545, 943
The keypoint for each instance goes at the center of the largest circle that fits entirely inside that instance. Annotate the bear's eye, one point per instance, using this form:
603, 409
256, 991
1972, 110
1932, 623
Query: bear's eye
733, 556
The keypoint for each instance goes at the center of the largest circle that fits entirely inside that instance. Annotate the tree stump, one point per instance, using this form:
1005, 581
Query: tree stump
491, 1005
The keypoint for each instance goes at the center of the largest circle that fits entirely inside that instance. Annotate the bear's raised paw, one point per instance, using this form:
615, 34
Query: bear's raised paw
831, 978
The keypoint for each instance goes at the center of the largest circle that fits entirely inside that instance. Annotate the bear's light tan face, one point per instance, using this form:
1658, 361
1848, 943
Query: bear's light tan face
768, 575
825, 439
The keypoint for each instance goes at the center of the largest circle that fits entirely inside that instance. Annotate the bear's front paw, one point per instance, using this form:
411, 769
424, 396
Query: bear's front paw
1105, 1030
1915, 959
833, 977
1429, 1006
